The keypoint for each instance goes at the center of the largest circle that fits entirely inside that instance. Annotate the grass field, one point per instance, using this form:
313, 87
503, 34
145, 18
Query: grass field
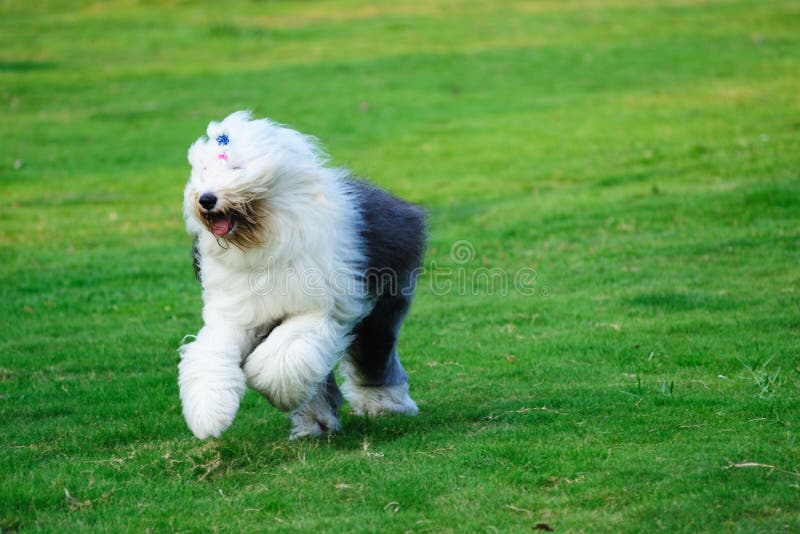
637, 161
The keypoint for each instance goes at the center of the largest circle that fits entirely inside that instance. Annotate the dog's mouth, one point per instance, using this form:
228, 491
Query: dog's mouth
220, 224
240, 221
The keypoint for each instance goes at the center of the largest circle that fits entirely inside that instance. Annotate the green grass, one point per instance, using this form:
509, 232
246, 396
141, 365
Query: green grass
642, 157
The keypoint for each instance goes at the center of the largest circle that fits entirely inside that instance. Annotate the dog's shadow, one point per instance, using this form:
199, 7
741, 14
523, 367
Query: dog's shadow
261, 439
356, 430
258, 440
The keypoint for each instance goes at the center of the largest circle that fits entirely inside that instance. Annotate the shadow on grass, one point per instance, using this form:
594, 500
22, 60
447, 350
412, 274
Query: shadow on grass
26, 66
680, 301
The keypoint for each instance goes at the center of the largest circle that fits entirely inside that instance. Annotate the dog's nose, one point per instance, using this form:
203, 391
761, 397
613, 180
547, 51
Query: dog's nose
208, 200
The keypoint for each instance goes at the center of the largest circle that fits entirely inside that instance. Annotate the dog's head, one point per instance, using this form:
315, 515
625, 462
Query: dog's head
240, 171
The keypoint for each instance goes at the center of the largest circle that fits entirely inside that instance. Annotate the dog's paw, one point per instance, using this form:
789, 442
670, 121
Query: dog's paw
209, 417
380, 400
210, 395
207, 425
312, 428
309, 424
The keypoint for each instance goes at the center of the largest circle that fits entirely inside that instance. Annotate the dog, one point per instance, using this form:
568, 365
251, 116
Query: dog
302, 267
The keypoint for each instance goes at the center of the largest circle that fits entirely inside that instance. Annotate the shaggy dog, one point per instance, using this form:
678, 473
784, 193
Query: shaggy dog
302, 267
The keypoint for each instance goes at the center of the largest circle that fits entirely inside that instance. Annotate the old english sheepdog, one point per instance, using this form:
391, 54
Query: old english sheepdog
302, 267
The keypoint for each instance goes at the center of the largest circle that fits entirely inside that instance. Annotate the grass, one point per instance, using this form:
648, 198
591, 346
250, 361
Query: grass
637, 161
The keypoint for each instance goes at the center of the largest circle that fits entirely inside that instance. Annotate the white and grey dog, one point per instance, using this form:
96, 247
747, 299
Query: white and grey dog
302, 267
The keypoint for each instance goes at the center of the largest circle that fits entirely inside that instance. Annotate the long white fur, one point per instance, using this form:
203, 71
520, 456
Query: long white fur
311, 228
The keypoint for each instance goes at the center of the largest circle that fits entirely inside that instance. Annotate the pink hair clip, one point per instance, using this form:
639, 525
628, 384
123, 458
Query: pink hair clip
222, 155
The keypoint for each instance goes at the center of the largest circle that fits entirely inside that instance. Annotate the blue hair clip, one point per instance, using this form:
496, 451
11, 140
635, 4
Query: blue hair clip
222, 139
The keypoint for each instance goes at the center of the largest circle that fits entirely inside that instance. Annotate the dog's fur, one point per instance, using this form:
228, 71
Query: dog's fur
301, 266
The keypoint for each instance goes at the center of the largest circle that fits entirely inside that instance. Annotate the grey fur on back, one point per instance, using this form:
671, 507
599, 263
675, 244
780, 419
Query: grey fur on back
394, 236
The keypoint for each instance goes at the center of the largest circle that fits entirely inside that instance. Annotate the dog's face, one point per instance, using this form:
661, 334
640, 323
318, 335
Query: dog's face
225, 201
233, 171
243, 173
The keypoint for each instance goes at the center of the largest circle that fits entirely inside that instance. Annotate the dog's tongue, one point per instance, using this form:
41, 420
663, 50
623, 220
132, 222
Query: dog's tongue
221, 226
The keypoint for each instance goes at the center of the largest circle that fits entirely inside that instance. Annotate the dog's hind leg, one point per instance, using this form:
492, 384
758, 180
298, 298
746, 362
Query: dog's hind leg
375, 381
320, 415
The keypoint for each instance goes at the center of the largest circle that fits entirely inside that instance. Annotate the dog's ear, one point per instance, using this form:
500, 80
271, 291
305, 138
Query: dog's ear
195, 153
214, 130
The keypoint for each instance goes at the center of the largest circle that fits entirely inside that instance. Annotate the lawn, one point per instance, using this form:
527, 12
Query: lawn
607, 334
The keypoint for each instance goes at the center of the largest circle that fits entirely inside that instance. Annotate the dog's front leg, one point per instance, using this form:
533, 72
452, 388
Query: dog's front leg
291, 364
211, 380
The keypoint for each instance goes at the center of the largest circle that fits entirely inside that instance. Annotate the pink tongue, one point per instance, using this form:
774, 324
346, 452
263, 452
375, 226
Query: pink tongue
220, 226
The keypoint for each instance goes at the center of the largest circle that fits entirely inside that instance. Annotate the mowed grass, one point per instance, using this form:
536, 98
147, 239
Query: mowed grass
637, 162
